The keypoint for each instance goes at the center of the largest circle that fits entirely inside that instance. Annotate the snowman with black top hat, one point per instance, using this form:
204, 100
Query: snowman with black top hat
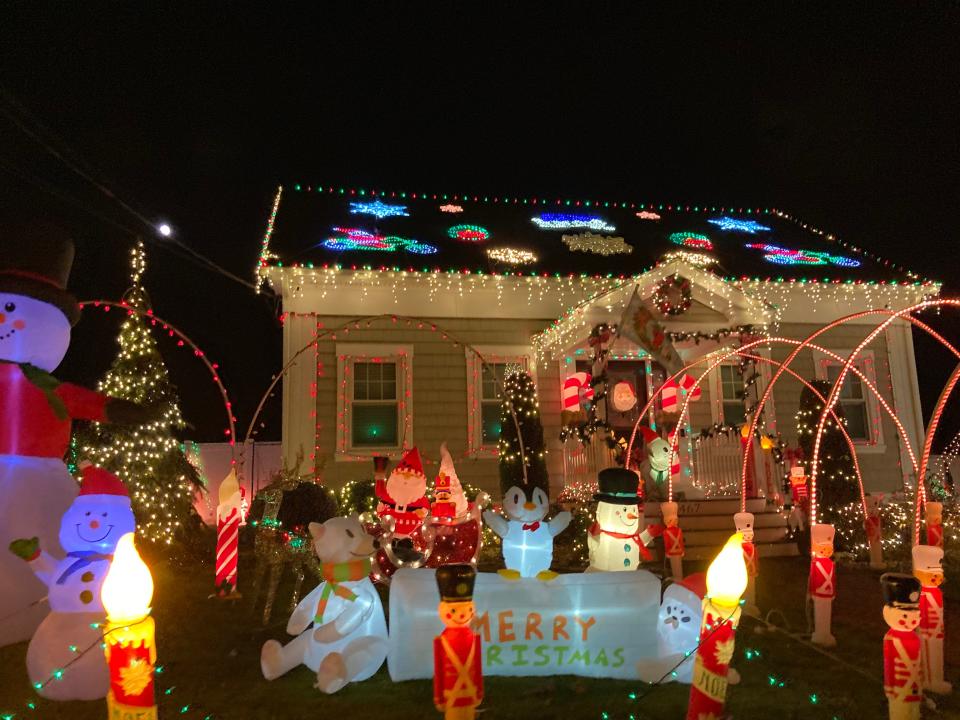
618, 539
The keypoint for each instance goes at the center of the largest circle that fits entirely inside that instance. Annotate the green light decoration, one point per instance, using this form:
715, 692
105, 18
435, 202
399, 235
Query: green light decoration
469, 233
697, 241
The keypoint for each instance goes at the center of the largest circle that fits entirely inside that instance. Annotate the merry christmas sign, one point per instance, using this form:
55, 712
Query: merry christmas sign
595, 624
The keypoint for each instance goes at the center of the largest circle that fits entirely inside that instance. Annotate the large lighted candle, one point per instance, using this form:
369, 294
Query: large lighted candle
726, 581
130, 647
228, 535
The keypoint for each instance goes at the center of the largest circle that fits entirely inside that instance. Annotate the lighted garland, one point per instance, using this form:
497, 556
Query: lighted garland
511, 256
666, 291
469, 233
697, 241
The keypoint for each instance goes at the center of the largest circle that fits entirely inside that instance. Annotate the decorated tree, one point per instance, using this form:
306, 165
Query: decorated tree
148, 457
837, 490
520, 400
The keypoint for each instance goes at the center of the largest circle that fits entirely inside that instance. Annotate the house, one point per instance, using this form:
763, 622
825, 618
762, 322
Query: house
403, 287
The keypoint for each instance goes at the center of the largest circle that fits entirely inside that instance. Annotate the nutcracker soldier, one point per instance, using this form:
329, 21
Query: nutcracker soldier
457, 675
934, 521
744, 522
822, 589
872, 524
901, 646
928, 569
673, 546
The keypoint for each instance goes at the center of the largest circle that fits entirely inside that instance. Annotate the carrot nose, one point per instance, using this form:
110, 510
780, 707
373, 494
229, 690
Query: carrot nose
631, 516
94, 524
529, 506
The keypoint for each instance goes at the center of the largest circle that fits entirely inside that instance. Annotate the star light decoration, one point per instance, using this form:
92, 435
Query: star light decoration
378, 209
570, 221
738, 225
358, 239
598, 244
785, 256
691, 240
511, 256
451, 208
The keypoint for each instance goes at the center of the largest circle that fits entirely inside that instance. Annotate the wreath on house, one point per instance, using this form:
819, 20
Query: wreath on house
673, 295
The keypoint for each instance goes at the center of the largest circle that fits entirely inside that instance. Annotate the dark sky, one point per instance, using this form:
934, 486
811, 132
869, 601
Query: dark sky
843, 114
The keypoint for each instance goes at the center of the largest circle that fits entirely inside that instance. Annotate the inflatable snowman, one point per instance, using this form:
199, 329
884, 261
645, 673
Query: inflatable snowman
36, 313
616, 540
527, 538
89, 532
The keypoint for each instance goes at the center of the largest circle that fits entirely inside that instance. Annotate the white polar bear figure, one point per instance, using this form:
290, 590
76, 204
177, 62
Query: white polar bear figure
340, 628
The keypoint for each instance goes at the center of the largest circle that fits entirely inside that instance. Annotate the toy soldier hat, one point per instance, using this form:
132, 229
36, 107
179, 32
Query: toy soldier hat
743, 521
928, 558
455, 582
821, 533
669, 510
618, 485
900, 590
35, 261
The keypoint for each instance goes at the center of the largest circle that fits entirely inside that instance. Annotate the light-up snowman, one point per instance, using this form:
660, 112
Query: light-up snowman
617, 540
527, 539
89, 531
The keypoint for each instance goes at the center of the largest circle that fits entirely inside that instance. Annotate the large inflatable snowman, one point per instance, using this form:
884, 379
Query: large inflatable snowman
89, 532
36, 313
617, 540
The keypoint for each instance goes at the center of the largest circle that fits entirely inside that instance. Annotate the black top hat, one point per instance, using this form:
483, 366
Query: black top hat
35, 261
618, 485
455, 582
900, 590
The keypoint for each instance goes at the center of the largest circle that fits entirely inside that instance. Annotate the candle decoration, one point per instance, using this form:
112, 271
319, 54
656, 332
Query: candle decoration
726, 581
228, 536
902, 682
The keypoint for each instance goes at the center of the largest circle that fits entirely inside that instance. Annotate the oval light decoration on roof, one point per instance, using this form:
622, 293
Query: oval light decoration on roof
569, 221
693, 240
469, 233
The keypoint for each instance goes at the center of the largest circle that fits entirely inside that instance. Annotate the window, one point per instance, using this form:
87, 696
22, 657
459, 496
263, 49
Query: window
731, 394
484, 394
861, 411
374, 401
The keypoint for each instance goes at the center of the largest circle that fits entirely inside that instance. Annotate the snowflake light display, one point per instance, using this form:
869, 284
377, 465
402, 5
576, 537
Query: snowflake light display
378, 209
570, 221
511, 256
691, 240
469, 233
785, 256
599, 244
737, 225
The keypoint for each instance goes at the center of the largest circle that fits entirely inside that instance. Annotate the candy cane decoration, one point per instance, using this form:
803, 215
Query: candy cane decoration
670, 395
575, 387
228, 535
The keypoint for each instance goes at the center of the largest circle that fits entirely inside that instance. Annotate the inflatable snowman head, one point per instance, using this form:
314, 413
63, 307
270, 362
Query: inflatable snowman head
36, 311
618, 504
678, 624
99, 516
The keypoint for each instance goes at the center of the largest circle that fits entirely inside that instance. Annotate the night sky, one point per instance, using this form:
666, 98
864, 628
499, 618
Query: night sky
844, 115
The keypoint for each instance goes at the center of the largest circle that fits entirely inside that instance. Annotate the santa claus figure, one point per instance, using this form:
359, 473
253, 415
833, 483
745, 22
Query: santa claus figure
873, 525
902, 681
934, 522
403, 495
457, 673
928, 569
822, 588
673, 546
744, 522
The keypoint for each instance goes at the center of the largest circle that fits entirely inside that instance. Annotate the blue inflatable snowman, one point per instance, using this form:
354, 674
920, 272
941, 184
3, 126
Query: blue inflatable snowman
89, 531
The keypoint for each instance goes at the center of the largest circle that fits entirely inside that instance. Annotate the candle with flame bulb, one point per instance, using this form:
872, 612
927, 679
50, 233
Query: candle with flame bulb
130, 647
726, 581
228, 536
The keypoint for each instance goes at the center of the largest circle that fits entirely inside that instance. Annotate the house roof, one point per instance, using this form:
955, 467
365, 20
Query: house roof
325, 226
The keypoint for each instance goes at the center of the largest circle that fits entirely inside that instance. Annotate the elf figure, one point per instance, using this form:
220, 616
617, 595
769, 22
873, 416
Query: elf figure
457, 673
902, 682
934, 522
89, 532
822, 589
36, 314
873, 525
673, 546
928, 569
744, 522
616, 541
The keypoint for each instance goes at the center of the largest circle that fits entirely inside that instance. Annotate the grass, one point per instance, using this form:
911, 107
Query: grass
210, 652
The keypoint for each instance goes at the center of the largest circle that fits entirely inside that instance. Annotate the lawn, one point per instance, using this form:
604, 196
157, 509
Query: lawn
210, 651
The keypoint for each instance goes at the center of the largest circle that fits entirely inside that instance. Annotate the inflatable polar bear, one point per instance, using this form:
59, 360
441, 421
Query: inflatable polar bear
340, 628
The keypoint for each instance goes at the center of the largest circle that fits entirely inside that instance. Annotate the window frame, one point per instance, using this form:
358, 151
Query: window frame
717, 401
348, 354
866, 364
493, 354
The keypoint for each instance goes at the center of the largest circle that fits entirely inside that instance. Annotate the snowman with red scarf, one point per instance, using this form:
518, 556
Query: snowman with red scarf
36, 314
617, 540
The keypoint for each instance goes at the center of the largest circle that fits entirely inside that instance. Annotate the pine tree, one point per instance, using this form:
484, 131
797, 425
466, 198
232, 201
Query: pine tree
520, 395
148, 458
837, 490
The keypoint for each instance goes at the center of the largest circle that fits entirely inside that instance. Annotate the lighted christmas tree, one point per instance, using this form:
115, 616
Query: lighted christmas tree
520, 399
837, 492
148, 458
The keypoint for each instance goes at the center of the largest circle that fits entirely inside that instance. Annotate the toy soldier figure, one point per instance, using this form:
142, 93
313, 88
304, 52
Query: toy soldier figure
928, 569
874, 527
673, 546
744, 522
822, 588
901, 646
457, 674
934, 521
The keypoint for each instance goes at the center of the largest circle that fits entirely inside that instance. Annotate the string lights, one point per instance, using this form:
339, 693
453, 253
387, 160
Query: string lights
597, 244
701, 260
511, 256
265, 255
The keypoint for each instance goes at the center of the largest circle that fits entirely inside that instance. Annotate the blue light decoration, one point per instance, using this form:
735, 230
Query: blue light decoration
569, 221
784, 256
357, 239
737, 225
378, 209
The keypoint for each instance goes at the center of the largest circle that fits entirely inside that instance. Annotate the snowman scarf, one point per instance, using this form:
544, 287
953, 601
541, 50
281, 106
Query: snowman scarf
83, 559
45, 383
336, 573
595, 530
